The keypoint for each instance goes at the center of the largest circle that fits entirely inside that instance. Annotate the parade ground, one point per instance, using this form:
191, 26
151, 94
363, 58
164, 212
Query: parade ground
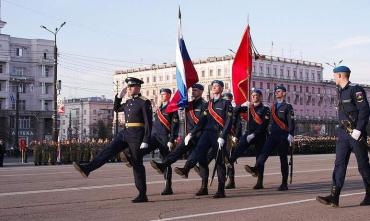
60, 193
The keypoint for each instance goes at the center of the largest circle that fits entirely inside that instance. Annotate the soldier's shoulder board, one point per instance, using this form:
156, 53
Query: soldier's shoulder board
143, 98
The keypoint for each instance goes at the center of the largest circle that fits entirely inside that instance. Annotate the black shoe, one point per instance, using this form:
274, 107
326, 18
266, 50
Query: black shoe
197, 169
140, 199
126, 159
219, 195
158, 166
252, 170
203, 189
183, 172
82, 169
168, 189
258, 186
230, 184
332, 199
366, 201
283, 187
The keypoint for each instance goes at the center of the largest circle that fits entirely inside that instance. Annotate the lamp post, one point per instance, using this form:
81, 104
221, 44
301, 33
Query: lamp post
55, 114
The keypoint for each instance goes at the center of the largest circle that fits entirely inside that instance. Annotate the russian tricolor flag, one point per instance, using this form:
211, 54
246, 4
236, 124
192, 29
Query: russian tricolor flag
186, 75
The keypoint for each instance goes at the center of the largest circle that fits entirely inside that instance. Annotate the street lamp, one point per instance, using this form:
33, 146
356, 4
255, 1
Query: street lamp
55, 125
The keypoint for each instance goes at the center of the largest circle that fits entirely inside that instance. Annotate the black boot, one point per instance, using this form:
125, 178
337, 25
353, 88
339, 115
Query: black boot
183, 172
284, 184
82, 169
159, 167
168, 188
231, 183
332, 199
140, 199
126, 159
252, 170
203, 189
366, 201
259, 184
220, 191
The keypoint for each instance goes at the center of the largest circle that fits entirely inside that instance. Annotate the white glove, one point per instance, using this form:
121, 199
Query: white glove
170, 146
245, 104
143, 145
250, 137
123, 92
356, 134
220, 142
290, 138
234, 139
187, 139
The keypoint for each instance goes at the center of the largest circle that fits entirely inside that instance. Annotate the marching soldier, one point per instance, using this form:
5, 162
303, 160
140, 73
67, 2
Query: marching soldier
353, 113
45, 152
256, 133
36, 152
2, 152
193, 112
215, 125
135, 136
53, 152
282, 132
164, 133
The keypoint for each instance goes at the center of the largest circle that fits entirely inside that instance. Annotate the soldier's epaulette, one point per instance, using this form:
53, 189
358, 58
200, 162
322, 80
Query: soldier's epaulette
143, 98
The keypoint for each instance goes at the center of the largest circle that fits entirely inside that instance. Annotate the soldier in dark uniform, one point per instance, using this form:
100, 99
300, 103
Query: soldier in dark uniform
135, 136
256, 133
164, 133
194, 112
353, 114
282, 132
215, 125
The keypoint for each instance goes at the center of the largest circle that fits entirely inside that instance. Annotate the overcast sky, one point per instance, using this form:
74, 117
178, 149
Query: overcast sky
103, 36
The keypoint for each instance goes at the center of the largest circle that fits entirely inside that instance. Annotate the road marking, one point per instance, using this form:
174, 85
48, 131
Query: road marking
132, 184
246, 208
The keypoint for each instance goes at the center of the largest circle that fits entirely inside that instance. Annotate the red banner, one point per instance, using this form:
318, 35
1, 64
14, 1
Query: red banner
242, 69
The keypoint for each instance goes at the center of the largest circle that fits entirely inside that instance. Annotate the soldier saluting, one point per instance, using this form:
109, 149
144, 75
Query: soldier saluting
282, 132
353, 114
135, 135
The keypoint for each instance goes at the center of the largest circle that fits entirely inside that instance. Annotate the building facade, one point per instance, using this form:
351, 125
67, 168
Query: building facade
26, 67
84, 118
314, 99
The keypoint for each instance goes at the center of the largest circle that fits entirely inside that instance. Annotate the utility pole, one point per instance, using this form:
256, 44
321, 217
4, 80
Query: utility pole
55, 114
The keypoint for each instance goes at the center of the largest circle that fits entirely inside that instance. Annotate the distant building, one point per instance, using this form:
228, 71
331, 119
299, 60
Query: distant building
26, 65
313, 99
83, 118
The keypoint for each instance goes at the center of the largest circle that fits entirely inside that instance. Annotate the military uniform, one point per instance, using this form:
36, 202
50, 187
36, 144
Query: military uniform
353, 108
259, 119
2, 152
214, 125
281, 127
136, 133
165, 130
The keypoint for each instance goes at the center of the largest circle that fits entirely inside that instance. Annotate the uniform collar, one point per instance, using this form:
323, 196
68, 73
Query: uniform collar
136, 95
345, 87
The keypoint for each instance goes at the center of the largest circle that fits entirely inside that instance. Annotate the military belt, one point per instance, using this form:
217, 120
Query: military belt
134, 125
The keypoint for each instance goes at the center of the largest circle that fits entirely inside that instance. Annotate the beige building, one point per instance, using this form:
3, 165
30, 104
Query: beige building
86, 118
313, 99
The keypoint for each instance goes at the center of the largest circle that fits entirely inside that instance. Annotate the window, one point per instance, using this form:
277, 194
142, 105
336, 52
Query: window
275, 71
147, 79
211, 73
261, 70
300, 74
167, 77
306, 89
46, 106
160, 78
84, 111
19, 52
174, 76
288, 73
203, 73
313, 75
253, 84
319, 90
268, 70
295, 73
288, 87
84, 121
1, 68
154, 79
300, 89
47, 70
22, 88
268, 85
226, 85
261, 85
254, 69
295, 87
24, 122
318, 75
18, 71
45, 55
281, 72
218, 72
